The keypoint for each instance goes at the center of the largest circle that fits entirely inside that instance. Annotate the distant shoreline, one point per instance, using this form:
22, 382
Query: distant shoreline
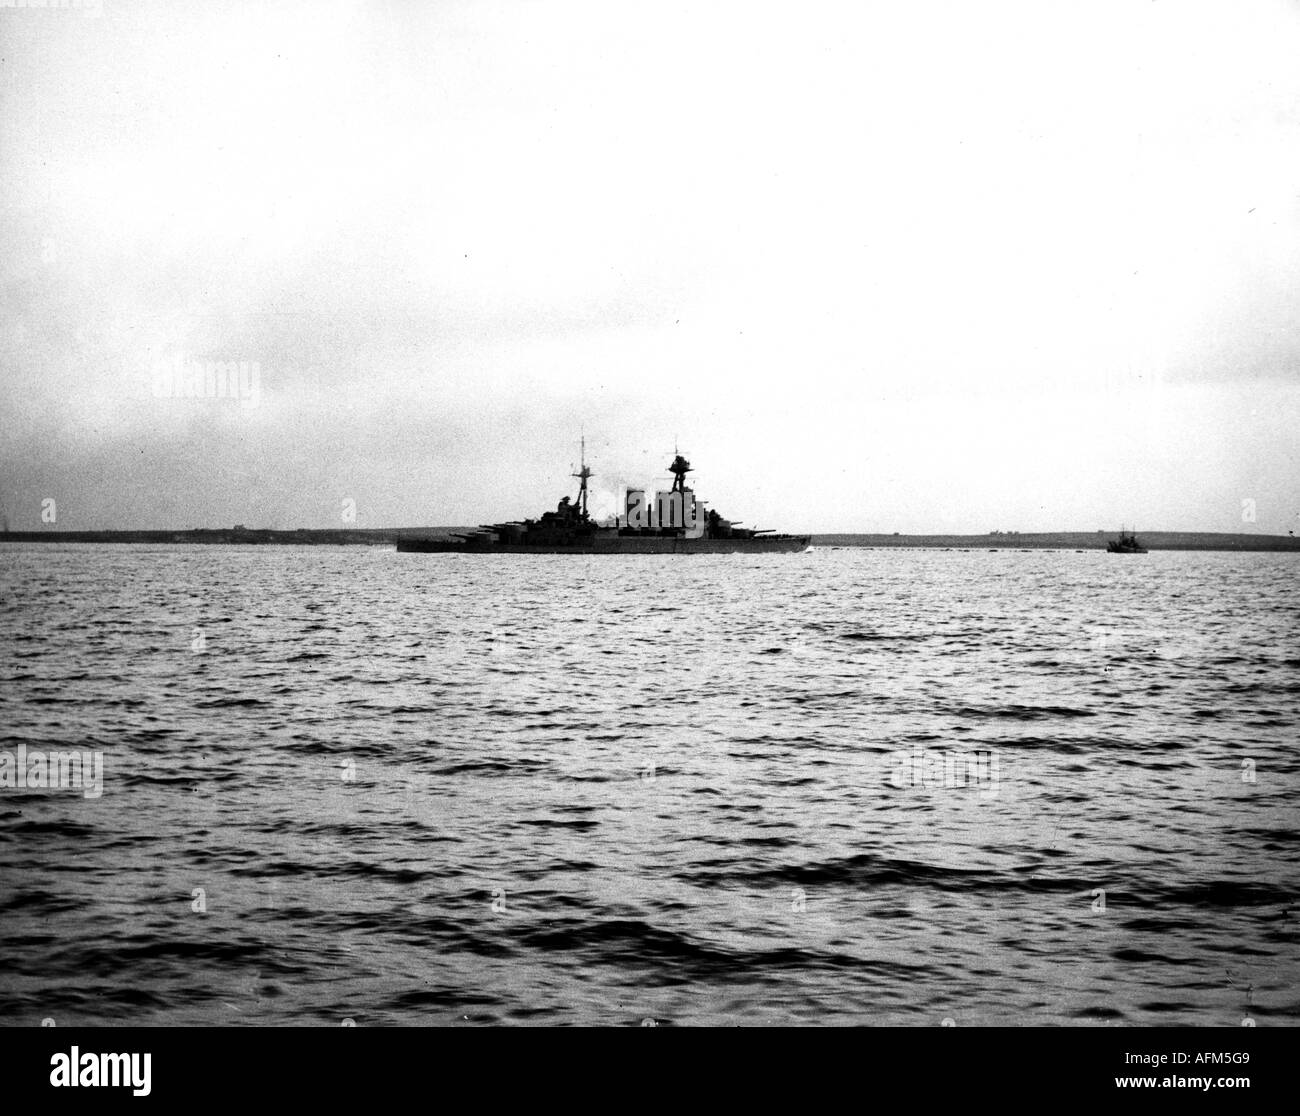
1068, 540
387, 536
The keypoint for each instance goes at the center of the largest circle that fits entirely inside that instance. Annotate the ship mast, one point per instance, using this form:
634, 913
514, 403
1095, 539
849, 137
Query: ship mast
582, 474
679, 468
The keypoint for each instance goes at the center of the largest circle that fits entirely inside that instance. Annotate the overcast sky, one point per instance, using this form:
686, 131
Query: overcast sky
896, 266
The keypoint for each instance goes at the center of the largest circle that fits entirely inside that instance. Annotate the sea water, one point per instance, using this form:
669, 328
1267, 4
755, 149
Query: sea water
847, 786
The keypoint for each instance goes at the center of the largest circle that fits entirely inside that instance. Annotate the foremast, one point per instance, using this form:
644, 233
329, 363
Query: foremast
582, 474
679, 468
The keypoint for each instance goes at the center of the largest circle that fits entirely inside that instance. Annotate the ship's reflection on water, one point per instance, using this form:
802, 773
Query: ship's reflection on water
838, 787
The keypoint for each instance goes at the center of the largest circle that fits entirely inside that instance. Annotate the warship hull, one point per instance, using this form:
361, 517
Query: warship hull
619, 545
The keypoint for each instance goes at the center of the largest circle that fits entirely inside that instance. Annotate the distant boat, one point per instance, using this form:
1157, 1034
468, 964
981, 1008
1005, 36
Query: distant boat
1127, 543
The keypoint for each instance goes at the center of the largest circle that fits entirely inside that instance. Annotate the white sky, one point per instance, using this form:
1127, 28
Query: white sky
875, 266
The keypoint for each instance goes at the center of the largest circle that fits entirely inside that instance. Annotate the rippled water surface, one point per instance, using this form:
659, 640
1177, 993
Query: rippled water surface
847, 786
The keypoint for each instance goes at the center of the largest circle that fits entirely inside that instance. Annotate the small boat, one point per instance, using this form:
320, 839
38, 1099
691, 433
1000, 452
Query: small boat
1127, 543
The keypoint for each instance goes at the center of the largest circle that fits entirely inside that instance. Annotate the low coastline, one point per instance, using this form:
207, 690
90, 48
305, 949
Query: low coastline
388, 536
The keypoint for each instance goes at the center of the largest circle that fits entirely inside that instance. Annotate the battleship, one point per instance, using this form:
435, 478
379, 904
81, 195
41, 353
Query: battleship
675, 522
